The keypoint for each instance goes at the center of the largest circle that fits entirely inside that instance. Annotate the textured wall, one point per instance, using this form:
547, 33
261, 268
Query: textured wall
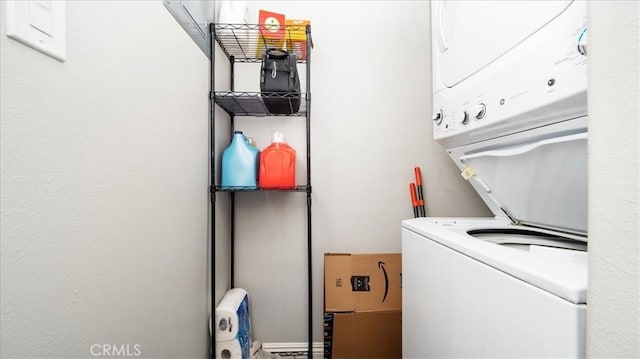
104, 176
104, 188
613, 318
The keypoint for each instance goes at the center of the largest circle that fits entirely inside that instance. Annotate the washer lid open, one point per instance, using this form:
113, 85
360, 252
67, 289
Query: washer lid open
541, 183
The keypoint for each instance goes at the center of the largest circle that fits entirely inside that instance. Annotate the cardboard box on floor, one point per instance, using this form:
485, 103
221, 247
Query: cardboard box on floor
363, 305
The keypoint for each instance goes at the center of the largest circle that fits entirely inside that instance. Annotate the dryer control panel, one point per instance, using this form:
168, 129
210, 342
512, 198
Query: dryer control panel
541, 80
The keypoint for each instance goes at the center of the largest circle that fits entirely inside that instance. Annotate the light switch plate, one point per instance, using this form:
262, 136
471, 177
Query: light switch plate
39, 24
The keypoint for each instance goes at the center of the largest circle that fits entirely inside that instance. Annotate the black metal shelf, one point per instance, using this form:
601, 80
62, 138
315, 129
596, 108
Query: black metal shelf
267, 189
242, 41
251, 103
239, 42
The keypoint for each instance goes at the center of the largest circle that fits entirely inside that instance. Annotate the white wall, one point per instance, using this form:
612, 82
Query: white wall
613, 316
104, 176
104, 188
371, 124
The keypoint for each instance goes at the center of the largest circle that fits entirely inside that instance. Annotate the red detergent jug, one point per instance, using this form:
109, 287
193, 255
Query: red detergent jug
277, 164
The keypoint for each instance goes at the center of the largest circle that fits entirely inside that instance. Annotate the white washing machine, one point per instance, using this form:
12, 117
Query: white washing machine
510, 82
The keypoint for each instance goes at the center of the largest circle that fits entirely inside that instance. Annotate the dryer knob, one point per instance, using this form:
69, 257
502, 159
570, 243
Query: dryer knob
438, 118
481, 110
465, 118
582, 43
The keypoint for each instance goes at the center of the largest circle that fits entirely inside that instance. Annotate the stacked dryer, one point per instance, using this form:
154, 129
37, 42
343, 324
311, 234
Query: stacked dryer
510, 103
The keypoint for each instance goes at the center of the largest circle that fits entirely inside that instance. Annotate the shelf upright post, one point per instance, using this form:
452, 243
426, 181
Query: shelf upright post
232, 195
309, 249
232, 63
212, 188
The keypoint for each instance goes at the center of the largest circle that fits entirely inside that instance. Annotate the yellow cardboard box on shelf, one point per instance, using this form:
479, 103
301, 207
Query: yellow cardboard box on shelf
271, 31
296, 37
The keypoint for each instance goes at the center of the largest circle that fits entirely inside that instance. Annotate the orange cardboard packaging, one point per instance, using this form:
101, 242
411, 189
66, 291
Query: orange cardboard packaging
271, 31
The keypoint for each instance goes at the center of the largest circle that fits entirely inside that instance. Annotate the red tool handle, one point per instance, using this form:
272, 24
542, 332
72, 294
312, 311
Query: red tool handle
414, 199
414, 196
422, 212
418, 176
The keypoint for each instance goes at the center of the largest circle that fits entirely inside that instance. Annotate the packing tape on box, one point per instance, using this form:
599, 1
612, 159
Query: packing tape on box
232, 316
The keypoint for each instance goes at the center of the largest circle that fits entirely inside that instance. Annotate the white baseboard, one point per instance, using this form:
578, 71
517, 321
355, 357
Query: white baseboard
317, 347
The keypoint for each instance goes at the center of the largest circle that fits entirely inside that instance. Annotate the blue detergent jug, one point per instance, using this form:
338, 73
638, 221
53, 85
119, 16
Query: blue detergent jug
239, 163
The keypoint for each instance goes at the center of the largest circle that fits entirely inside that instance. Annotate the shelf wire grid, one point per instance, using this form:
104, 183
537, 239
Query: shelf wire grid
245, 42
252, 104
262, 189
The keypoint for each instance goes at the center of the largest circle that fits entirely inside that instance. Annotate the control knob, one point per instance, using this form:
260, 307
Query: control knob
582, 43
438, 118
464, 118
481, 111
